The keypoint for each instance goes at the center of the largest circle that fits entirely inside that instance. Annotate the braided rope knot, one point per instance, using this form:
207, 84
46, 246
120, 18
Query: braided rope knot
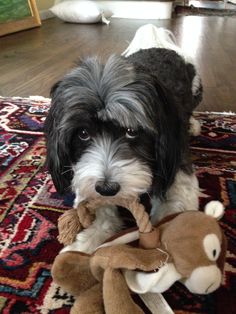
74, 220
86, 217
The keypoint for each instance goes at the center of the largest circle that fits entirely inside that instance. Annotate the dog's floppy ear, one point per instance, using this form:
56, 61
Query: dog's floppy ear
170, 141
58, 160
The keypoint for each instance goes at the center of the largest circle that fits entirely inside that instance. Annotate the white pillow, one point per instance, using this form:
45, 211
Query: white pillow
79, 12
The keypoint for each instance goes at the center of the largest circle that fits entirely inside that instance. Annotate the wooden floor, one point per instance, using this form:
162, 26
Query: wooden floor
31, 61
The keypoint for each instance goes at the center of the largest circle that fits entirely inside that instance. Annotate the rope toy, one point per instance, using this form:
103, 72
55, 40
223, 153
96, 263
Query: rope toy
74, 220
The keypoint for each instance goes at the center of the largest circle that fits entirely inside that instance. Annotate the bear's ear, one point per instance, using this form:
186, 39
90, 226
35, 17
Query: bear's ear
214, 209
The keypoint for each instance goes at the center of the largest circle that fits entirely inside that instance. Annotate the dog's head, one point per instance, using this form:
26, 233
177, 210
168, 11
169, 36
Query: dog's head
112, 130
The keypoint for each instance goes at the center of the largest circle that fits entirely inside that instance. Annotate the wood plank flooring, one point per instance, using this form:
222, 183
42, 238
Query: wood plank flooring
31, 61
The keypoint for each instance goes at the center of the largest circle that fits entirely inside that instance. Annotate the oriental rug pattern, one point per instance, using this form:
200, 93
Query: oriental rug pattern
30, 207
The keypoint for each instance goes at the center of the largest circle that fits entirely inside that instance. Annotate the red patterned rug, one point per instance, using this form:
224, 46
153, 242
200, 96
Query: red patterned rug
30, 207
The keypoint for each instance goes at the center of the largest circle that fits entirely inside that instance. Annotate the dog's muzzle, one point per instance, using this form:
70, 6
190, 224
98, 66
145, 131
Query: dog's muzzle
106, 188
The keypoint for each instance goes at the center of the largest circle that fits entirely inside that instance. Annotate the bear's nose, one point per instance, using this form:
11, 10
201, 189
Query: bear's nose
204, 279
107, 188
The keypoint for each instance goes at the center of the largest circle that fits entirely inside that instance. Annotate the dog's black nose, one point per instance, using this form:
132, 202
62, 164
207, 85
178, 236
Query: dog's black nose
107, 188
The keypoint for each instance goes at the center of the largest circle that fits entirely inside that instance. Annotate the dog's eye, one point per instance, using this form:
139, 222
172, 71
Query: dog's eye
84, 135
131, 133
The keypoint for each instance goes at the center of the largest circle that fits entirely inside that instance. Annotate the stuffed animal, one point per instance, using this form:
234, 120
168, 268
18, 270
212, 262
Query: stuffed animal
190, 246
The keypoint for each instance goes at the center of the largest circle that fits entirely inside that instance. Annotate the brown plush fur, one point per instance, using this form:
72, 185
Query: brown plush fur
125, 257
97, 281
71, 271
116, 294
192, 226
89, 302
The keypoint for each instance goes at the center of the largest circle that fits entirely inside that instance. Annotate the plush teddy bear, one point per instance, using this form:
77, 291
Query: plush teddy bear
190, 246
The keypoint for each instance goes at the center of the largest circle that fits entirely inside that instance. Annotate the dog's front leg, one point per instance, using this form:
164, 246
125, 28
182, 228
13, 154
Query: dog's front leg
182, 195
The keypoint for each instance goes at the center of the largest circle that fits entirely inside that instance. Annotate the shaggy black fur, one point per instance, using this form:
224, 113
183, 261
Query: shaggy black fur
150, 91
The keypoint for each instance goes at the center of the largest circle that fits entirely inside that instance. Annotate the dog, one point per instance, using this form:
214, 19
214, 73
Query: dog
122, 128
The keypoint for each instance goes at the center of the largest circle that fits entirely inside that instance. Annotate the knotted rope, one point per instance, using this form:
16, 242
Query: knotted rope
73, 220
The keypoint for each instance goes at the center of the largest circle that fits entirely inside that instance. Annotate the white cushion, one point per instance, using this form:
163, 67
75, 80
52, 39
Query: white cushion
78, 12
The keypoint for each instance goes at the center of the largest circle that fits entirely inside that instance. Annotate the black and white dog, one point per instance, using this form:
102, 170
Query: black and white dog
122, 128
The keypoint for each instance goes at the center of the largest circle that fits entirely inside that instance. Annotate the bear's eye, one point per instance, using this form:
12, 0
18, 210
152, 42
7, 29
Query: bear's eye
212, 247
84, 135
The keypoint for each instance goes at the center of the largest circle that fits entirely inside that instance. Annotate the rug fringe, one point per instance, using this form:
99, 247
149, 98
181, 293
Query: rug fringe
226, 113
39, 98
35, 98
